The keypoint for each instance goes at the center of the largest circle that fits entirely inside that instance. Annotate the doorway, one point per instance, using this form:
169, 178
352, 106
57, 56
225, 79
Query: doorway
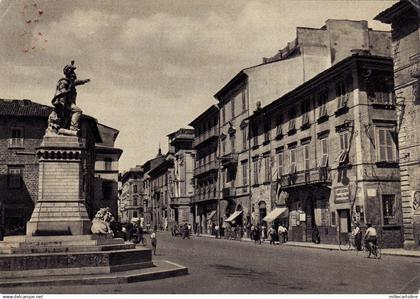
344, 223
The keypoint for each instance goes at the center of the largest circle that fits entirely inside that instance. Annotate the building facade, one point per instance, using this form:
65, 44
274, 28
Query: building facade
327, 152
206, 170
181, 184
106, 170
22, 128
131, 205
404, 18
313, 51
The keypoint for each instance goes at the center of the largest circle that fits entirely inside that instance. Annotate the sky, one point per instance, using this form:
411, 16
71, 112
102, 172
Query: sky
154, 65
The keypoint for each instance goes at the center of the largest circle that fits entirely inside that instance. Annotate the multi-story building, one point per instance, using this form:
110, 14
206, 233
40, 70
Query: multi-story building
404, 17
181, 186
106, 170
327, 152
160, 190
147, 195
313, 51
206, 196
22, 127
131, 204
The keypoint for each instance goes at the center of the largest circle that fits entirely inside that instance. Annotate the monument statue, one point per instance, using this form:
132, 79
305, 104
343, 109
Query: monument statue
64, 119
101, 222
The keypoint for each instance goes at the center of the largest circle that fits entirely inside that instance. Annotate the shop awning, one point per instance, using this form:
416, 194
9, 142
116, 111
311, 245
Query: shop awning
212, 214
277, 212
233, 216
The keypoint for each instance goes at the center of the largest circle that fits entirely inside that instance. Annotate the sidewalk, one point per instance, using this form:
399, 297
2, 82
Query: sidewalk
385, 251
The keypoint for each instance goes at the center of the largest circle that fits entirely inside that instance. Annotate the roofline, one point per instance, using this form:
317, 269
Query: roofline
342, 64
116, 131
173, 133
238, 78
388, 14
213, 108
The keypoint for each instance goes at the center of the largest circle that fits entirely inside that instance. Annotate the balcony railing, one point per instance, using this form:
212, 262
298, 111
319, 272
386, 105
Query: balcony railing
307, 177
211, 165
229, 159
208, 195
213, 133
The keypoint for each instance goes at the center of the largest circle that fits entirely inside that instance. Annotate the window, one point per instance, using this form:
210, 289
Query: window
279, 130
293, 160
255, 136
324, 152
16, 140
305, 113
255, 166
292, 121
244, 139
244, 173
379, 91
341, 94
306, 163
107, 190
386, 145
232, 102
279, 164
266, 132
388, 207
267, 169
322, 103
135, 214
344, 148
232, 143
108, 163
135, 188
14, 177
243, 100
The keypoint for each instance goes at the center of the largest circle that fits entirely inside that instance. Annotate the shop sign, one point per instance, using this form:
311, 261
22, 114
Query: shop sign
371, 192
302, 217
342, 194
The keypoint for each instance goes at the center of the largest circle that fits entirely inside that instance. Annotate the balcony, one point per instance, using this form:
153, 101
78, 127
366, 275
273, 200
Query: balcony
315, 176
209, 166
229, 159
211, 134
205, 196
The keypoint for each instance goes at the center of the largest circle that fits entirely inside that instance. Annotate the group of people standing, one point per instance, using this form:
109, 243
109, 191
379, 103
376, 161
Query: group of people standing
259, 233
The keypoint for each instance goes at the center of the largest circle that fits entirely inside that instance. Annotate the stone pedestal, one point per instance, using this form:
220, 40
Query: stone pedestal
60, 209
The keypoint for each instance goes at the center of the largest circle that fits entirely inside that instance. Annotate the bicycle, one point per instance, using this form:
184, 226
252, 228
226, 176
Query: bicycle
372, 249
346, 243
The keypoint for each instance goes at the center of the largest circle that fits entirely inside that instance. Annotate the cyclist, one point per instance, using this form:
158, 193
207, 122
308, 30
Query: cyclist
370, 237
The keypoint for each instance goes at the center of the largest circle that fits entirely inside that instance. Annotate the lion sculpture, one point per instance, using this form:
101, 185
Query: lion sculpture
101, 222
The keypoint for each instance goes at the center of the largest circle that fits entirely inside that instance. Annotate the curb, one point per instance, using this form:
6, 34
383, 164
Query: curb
320, 248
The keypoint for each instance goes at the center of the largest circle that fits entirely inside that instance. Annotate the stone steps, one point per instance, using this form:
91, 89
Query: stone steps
25, 248
161, 269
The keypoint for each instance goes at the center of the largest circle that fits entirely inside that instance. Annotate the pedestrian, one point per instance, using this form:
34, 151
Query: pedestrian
153, 240
357, 234
282, 232
315, 235
216, 231
263, 232
189, 230
272, 233
257, 236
